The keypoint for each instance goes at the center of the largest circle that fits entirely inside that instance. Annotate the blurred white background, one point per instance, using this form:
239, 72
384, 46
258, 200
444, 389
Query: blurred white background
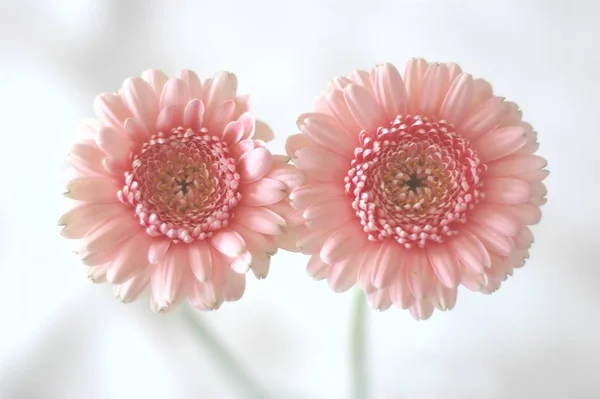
63, 337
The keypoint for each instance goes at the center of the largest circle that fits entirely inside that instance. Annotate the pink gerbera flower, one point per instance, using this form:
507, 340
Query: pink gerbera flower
175, 190
416, 185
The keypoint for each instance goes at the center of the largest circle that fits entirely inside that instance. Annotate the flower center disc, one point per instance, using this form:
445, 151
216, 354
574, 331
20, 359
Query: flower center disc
183, 185
414, 181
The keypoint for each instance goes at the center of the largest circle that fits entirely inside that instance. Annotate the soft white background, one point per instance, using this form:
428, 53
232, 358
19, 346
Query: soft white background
65, 338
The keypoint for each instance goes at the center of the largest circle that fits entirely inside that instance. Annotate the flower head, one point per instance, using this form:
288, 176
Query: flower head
415, 185
176, 190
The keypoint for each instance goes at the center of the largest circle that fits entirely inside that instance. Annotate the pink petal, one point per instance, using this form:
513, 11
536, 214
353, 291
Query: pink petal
292, 217
497, 217
287, 241
200, 260
210, 294
501, 267
499, 143
193, 115
257, 243
339, 83
131, 259
87, 159
311, 241
339, 109
524, 167
232, 133
342, 276
192, 81
483, 119
114, 167
228, 242
281, 159
329, 215
454, 71
380, 300
322, 165
241, 148
168, 277
175, 94
367, 113
141, 100
114, 143
324, 131
254, 164
158, 250
262, 192
390, 90
98, 258
111, 110
400, 294
241, 264
518, 258
506, 190
494, 241
259, 219
389, 259
513, 115
538, 194
362, 78
220, 88
470, 251
457, 100
243, 103
482, 91
421, 310
316, 268
532, 144
294, 143
132, 288
156, 80
445, 298
92, 189
220, 117
444, 265
524, 239
235, 286
433, 89
289, 175
367, 266
263, 132
419, 274
320, 104
473, 281
528, 213
343, 243
315, 193
249, 123
415, 71
260, 267
137, 133
84, 218
113, 232
169, 118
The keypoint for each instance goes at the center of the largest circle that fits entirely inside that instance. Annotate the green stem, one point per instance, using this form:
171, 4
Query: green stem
247, 387
358, 348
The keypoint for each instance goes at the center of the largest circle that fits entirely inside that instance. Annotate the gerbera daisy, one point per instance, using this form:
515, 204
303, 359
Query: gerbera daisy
175, 189
415, 185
